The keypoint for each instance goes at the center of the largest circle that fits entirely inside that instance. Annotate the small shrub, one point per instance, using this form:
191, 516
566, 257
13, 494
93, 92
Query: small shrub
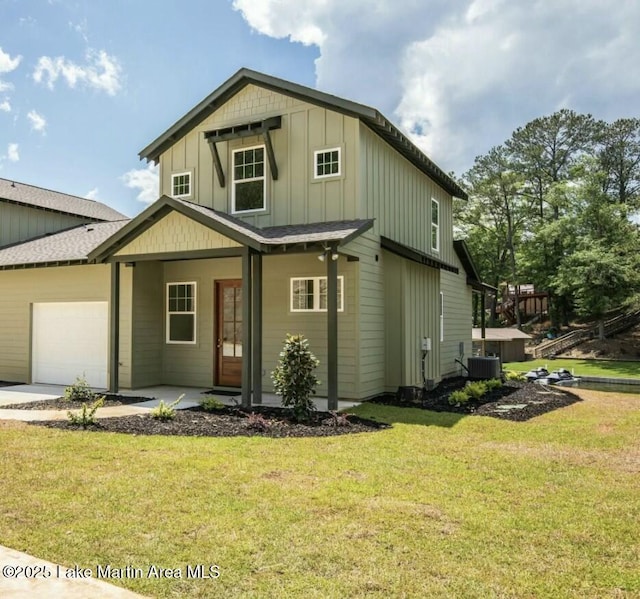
476, 389
336, 419
212, 404
87, 415
512, 375
492, 384
79, 390
458, 398
293, 378
165, 411
257, 422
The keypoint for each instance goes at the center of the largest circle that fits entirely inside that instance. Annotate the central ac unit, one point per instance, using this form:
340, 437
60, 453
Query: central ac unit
484, 367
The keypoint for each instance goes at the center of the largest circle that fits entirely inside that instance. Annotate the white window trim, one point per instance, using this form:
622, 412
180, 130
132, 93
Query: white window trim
441, 317
316, 294
194, 312
435, 248
316, 153
183, 195
233, 181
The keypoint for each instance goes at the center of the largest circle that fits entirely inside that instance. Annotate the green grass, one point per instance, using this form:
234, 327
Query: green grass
438, 506
602, 368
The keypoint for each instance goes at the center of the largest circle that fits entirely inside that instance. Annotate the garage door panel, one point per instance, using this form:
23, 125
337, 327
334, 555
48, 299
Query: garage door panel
70, 339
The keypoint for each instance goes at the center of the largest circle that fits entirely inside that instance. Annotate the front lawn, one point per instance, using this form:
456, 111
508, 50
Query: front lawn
602, 368
440, 505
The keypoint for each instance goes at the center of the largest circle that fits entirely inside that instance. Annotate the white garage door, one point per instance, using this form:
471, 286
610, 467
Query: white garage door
70, 339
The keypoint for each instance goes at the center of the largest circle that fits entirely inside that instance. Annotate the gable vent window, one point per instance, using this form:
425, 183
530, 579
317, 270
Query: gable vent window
249, 181
181, 185
327, 163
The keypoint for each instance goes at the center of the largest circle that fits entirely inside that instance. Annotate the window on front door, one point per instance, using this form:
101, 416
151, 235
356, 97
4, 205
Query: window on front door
249, 180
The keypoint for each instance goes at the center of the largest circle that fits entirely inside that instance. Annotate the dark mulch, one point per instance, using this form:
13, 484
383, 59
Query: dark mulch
513, 401
60, 403
227, 422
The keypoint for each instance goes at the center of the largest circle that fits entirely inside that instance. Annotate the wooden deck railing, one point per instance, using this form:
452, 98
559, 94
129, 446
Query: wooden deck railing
570, 340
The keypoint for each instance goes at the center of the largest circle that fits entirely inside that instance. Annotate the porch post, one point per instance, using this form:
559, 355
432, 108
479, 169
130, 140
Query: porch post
483, 323
256, 346
114, 347
332, 329
246, 328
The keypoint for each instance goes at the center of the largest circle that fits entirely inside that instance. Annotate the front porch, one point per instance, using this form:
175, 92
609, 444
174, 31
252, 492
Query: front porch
188, 337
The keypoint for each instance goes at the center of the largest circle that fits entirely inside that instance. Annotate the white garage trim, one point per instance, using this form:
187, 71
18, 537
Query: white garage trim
70, 339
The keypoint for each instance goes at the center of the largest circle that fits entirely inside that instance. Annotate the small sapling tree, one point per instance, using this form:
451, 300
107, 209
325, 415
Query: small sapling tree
294, 379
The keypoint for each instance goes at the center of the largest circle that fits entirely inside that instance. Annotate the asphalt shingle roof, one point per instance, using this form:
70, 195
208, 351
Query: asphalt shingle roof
38, 197
284, 234
72, 245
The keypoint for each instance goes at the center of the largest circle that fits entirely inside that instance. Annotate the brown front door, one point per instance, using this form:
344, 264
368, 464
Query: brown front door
229, 333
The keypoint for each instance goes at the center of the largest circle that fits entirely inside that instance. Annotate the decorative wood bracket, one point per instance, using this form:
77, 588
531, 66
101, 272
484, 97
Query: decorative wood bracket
244, 130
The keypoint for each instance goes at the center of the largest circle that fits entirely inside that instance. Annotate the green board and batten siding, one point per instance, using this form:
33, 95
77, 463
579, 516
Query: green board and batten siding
296, 197
19, 223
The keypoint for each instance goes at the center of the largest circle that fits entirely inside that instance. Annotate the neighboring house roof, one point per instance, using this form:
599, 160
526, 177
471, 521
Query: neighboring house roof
499, 334
45, 199
369, 116
264, 240
71, 246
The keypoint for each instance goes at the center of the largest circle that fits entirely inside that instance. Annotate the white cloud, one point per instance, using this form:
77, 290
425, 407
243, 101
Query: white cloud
12, 153
146, 180
8, 64
101, 72
461, 75
5, 106
38, 122
92, 195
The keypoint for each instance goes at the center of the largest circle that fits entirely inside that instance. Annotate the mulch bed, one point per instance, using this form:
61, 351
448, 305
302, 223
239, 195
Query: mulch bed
60, 403
513, 401
227, 422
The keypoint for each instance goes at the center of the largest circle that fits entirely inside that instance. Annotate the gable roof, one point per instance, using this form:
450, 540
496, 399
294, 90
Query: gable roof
54, 201
263, 240
71, 246
369, 116
473, 278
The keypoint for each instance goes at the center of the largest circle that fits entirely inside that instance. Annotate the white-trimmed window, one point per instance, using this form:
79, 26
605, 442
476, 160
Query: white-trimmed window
309, 294
435, 225
441, 317
181, 312
326, 163
181, 185
249, 188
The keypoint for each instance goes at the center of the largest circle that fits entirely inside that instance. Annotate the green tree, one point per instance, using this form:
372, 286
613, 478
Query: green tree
294, 377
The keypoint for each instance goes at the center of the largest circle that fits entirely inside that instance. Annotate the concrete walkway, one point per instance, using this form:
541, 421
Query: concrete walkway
23, 577
17, 394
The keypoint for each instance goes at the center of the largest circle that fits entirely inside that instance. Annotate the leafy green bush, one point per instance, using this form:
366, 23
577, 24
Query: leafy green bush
293, 379
458, 398
87, 415
492, 384
165, 411
79, 390
257, 422
212, 404
476, 389
512, 375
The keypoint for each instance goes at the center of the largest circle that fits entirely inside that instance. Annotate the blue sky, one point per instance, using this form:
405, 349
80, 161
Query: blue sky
86, 84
